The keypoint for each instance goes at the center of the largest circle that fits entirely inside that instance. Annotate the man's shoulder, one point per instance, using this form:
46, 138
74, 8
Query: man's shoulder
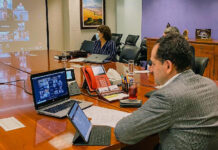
186, 81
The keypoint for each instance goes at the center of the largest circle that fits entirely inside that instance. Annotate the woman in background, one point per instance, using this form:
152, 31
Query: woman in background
104, 45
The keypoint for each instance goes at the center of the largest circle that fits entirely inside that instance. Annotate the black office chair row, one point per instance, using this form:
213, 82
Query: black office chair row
116, 37
129, 52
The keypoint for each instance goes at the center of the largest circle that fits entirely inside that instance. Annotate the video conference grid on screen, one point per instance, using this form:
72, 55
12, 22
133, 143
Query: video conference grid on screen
50, 87
18, 30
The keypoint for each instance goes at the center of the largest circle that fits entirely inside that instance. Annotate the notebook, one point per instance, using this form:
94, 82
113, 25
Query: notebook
51, 95
96, 58
86, 133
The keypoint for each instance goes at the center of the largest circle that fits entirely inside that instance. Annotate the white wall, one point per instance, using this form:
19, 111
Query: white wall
64, 23
76, 34
129, 18
55, 18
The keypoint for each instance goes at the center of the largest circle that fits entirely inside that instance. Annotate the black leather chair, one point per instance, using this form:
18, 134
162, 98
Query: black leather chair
117, 39
129, 53
193, 58
87, 46
200, 65
131, 40
94, 38
143, 52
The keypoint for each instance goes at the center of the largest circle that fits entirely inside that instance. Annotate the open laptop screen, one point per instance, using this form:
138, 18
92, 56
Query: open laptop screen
49, 86
80, 121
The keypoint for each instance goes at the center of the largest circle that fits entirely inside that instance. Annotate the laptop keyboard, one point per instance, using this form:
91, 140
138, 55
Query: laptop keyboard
100, 135
62, 106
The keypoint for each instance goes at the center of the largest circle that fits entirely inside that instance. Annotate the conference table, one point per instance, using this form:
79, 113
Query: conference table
44, 132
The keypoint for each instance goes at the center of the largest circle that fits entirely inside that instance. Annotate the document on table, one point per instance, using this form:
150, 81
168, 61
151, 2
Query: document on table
77, 60
104, 116
10, 123
141, 71
117, 96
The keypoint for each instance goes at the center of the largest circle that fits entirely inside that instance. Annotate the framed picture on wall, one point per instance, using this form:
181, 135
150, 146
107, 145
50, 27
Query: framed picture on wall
92, 13
203, 34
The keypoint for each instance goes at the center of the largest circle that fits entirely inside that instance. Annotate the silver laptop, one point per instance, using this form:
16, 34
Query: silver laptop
51, 95
96, 58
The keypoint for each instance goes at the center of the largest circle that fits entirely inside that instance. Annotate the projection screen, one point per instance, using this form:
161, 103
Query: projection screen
22, 25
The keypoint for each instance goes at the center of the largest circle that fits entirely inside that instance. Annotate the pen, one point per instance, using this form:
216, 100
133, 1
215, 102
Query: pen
127, 80
122, 78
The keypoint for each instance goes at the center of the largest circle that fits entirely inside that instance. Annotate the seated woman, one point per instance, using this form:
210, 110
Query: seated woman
105, 45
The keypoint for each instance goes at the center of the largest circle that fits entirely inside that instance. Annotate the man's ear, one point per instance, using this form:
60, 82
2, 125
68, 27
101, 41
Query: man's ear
169, 66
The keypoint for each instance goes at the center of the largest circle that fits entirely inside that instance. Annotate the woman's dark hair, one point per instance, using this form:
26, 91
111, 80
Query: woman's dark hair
175, 48
106, 32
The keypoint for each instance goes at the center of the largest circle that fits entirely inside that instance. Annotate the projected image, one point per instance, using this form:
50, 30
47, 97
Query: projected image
6, 10
20, 28
20, 14
13, 22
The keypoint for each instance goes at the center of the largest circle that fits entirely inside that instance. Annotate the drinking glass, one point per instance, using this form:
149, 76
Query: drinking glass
133, 91
131, 67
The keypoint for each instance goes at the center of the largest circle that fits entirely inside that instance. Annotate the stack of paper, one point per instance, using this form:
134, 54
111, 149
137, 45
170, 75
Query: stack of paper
104, 116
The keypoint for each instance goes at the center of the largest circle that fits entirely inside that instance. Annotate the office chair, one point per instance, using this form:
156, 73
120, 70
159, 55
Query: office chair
129, 53
87, 46
193, 58
94, 38
143, 52
117, 38
200, 64
131, 40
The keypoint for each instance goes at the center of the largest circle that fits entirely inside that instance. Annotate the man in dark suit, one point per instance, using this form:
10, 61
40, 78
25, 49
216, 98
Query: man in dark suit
184, 111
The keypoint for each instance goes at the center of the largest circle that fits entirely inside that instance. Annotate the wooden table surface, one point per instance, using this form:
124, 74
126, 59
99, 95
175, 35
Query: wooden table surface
43, 132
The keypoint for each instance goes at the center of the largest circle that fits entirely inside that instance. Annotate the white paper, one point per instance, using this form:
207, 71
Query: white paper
141, 71
77, 60
104, 116
10, 123
117, 96
113, 74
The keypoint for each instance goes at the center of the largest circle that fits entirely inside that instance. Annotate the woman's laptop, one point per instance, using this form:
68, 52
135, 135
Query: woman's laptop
96, 58
87, 134
51, 95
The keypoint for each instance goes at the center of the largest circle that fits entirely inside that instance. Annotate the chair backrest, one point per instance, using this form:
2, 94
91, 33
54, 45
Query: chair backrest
200, 64
116, 37
129, 53
131, 40
193, 58
87, 46
94, 38
142, 57
143, 47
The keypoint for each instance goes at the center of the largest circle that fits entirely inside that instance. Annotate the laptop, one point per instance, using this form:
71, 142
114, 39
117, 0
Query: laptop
86, 133
51, 95
96, 58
